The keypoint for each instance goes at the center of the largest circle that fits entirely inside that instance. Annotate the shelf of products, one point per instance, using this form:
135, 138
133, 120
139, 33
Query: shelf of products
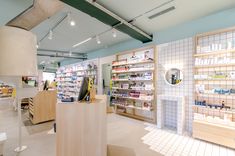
5, 90
69, 78
133, 89
214, 82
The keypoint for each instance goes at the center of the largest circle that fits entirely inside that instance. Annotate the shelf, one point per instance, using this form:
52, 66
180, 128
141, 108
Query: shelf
133, 107
222, 96
214, 66
133, 89
144, 72
214, 79
214, 53
213, 109
130, 71
131, 98
123, 80
131, 63
135, 116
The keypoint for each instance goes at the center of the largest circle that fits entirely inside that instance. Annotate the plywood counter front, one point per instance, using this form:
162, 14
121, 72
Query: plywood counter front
218, 134
81, 128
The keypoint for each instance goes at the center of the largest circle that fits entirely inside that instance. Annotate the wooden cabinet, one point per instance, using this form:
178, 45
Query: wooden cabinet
42, 107
215, 133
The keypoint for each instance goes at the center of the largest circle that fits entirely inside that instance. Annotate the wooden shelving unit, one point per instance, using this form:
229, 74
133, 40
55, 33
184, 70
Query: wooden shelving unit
214, 77
133, 88
42, 107
70, 77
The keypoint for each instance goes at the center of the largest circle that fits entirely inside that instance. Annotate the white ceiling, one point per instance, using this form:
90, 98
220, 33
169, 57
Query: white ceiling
65, 36
186, 10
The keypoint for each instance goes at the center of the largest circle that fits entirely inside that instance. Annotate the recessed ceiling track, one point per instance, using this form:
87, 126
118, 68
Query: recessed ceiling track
104, 15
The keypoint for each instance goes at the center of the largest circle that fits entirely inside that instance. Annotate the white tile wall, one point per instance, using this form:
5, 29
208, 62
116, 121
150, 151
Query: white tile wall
170, 115
177, 54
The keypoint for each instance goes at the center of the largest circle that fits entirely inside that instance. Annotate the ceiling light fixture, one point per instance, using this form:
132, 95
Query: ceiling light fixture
71, 20
114, 32
82, 42
38, 44
50, 36
98, 40
162, 12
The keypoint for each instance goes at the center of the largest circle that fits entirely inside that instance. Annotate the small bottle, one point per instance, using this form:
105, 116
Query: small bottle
222, 105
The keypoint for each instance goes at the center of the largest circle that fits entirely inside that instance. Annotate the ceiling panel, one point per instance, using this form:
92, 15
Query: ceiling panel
65, 36
186, 10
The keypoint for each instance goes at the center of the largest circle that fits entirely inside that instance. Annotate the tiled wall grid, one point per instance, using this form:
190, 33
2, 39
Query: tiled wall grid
177, 54
170, 115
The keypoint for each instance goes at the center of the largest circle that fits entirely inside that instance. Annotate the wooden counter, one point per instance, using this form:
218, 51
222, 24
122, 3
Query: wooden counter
42, 106
81, 128
216, 133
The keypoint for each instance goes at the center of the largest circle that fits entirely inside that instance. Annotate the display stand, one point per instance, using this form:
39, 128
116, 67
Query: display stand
70, 77
133, 88
81, 128
214, 115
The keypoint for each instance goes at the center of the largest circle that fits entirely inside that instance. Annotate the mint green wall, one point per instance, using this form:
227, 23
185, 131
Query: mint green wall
212, 22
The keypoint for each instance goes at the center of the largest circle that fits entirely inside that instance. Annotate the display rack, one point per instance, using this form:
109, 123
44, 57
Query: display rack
133, 87
69, 78
214, 82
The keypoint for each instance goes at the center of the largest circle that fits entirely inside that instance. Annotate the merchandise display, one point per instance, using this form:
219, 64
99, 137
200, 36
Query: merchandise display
214, 84
117, 78
5, 90
70, 78
133, 83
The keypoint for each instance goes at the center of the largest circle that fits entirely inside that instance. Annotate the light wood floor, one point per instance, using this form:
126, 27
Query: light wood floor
122, 131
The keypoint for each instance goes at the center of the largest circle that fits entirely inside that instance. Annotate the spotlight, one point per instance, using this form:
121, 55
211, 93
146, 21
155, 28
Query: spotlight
38, 44
98, 40
114, 32
50, 36
70, 20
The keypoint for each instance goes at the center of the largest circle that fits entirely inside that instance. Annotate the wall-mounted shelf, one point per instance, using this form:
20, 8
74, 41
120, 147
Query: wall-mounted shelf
213, 53
70, 77
214, 115
133, 89
131, 63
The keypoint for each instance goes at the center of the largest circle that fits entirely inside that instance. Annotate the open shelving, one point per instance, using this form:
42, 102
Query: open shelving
69, 78
5, 90
133, 84
214, 79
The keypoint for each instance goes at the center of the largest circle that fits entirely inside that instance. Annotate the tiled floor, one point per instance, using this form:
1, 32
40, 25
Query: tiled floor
169, 143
